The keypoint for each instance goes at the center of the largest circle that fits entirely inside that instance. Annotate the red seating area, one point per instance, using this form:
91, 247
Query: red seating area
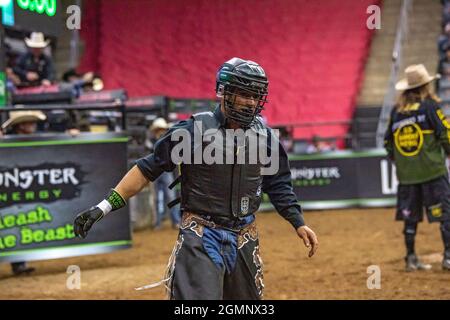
313, 51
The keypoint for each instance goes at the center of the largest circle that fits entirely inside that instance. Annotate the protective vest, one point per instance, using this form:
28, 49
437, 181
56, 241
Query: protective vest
221, 189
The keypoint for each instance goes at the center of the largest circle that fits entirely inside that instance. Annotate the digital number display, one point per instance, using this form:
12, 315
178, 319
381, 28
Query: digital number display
33, 15
47, 7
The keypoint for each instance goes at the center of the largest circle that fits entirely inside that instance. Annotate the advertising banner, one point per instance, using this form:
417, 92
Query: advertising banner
45, 181
342, 179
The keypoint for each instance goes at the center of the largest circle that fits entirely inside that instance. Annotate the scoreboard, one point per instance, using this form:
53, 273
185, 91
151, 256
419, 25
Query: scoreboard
33, 15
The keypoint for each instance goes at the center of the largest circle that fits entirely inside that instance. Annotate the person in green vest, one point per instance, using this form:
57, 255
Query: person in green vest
418, 142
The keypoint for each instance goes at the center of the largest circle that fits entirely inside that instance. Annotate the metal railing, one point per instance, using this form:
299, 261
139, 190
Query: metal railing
397, 56
118, 106
121, 111
346, 137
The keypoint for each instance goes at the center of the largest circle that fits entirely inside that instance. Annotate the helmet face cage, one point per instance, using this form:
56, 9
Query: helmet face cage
255, 90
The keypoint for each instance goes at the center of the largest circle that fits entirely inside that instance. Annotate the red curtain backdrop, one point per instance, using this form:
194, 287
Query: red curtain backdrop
313, 51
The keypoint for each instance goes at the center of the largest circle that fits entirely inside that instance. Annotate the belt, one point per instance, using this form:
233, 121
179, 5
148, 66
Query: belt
214, 222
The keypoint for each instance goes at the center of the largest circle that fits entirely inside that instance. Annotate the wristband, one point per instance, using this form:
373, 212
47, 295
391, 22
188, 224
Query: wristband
105, 206
115, 200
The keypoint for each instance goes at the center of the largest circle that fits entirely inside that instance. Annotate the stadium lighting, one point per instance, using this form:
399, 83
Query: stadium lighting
4, 3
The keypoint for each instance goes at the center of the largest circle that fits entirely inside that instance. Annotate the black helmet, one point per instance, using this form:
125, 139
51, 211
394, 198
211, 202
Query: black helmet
238, 77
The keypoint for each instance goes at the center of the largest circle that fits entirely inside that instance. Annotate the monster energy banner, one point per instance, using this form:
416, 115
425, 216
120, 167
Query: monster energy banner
45, 181
342, 179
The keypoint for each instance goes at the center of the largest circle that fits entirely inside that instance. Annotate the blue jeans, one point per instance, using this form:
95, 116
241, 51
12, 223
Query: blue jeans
221, 245
163, 195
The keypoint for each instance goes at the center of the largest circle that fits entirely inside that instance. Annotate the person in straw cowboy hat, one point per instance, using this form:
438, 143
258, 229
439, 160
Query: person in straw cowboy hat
418, 141
22, 122
34, 67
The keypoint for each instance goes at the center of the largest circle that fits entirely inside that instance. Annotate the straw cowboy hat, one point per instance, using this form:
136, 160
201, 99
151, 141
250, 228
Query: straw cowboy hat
16, 117
159, 123
37, 40
97, 84
416, 76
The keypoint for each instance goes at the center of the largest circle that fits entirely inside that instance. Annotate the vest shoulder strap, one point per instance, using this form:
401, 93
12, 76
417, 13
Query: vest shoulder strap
207, 118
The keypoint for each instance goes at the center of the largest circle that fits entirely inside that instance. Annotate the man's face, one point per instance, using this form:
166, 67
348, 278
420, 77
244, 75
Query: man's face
36, 51
26, 127
243, 100
159, 132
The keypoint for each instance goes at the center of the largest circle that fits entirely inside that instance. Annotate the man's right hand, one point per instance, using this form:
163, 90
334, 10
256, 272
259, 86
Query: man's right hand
84, 221
32, 76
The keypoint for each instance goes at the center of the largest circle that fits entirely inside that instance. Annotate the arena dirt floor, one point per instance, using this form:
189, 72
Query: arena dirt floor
350, 241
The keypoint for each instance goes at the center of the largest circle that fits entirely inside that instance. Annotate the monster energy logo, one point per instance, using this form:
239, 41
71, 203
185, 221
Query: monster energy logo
45, 183
322, 176
47, 7
314, 173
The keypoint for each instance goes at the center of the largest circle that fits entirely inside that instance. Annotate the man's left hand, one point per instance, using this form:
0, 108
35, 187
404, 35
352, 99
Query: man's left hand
73, 132
309, 239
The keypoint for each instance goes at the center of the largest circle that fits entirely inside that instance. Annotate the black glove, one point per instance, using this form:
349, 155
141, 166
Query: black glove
84, 221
